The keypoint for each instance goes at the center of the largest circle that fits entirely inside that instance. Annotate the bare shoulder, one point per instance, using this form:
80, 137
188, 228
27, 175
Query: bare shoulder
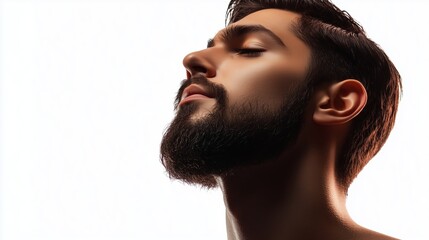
367, 234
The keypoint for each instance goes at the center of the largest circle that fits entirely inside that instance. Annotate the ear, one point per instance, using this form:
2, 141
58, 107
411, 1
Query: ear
340, 103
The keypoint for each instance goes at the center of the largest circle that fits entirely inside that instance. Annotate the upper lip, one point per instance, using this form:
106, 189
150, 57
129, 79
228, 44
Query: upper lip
194, 89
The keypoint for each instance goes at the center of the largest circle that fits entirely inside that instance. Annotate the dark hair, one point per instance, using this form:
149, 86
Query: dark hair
341, 50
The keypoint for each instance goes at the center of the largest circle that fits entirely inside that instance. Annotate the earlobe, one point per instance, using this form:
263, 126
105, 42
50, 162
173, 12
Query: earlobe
340, 103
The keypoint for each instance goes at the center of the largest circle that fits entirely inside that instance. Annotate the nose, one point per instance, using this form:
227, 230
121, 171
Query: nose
199, 63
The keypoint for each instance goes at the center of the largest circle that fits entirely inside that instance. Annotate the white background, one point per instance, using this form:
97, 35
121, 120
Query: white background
87, 90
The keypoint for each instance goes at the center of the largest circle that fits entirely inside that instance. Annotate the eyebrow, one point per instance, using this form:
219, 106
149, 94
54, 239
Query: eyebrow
237, 31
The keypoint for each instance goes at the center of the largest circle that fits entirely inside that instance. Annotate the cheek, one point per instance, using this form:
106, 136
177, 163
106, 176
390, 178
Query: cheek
268, 82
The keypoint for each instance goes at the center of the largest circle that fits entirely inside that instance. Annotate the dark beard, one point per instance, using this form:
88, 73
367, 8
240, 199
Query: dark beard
228, 137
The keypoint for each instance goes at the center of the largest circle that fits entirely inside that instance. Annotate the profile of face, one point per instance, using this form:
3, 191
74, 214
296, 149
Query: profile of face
243, 102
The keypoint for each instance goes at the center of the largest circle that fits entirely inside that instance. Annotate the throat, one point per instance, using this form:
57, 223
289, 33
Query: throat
283, 200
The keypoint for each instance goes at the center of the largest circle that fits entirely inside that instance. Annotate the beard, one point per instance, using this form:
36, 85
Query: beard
229, 137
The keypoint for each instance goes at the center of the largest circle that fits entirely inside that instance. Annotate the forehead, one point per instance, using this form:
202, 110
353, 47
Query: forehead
278, 21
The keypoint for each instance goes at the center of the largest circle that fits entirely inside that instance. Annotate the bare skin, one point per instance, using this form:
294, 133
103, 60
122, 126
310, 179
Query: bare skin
297, 195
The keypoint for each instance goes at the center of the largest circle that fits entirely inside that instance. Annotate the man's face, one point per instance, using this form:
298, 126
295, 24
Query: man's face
243, 101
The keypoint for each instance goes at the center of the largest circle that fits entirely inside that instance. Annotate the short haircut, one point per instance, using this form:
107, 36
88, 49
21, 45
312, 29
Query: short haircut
341, 50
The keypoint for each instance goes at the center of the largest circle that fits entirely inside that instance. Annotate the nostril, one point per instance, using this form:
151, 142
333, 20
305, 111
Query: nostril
195, 70
200, 69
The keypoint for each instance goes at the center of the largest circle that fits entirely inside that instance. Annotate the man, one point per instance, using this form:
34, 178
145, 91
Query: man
282, 110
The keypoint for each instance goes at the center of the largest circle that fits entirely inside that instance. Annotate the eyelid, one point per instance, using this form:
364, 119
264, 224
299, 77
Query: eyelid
250, 51
251, 43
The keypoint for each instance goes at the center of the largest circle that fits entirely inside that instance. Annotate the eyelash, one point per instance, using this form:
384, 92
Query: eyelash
250, 52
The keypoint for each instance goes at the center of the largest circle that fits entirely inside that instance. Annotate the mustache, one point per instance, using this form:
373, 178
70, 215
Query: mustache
217, 91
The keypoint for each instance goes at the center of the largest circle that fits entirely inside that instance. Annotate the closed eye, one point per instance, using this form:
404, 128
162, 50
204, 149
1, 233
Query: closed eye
250, 52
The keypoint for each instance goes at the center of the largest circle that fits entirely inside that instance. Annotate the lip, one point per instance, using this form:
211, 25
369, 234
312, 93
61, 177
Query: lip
193, 92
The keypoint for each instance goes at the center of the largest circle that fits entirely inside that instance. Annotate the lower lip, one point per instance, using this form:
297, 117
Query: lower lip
192, 98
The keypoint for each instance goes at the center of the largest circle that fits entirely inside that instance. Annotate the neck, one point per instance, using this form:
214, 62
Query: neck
293, 197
